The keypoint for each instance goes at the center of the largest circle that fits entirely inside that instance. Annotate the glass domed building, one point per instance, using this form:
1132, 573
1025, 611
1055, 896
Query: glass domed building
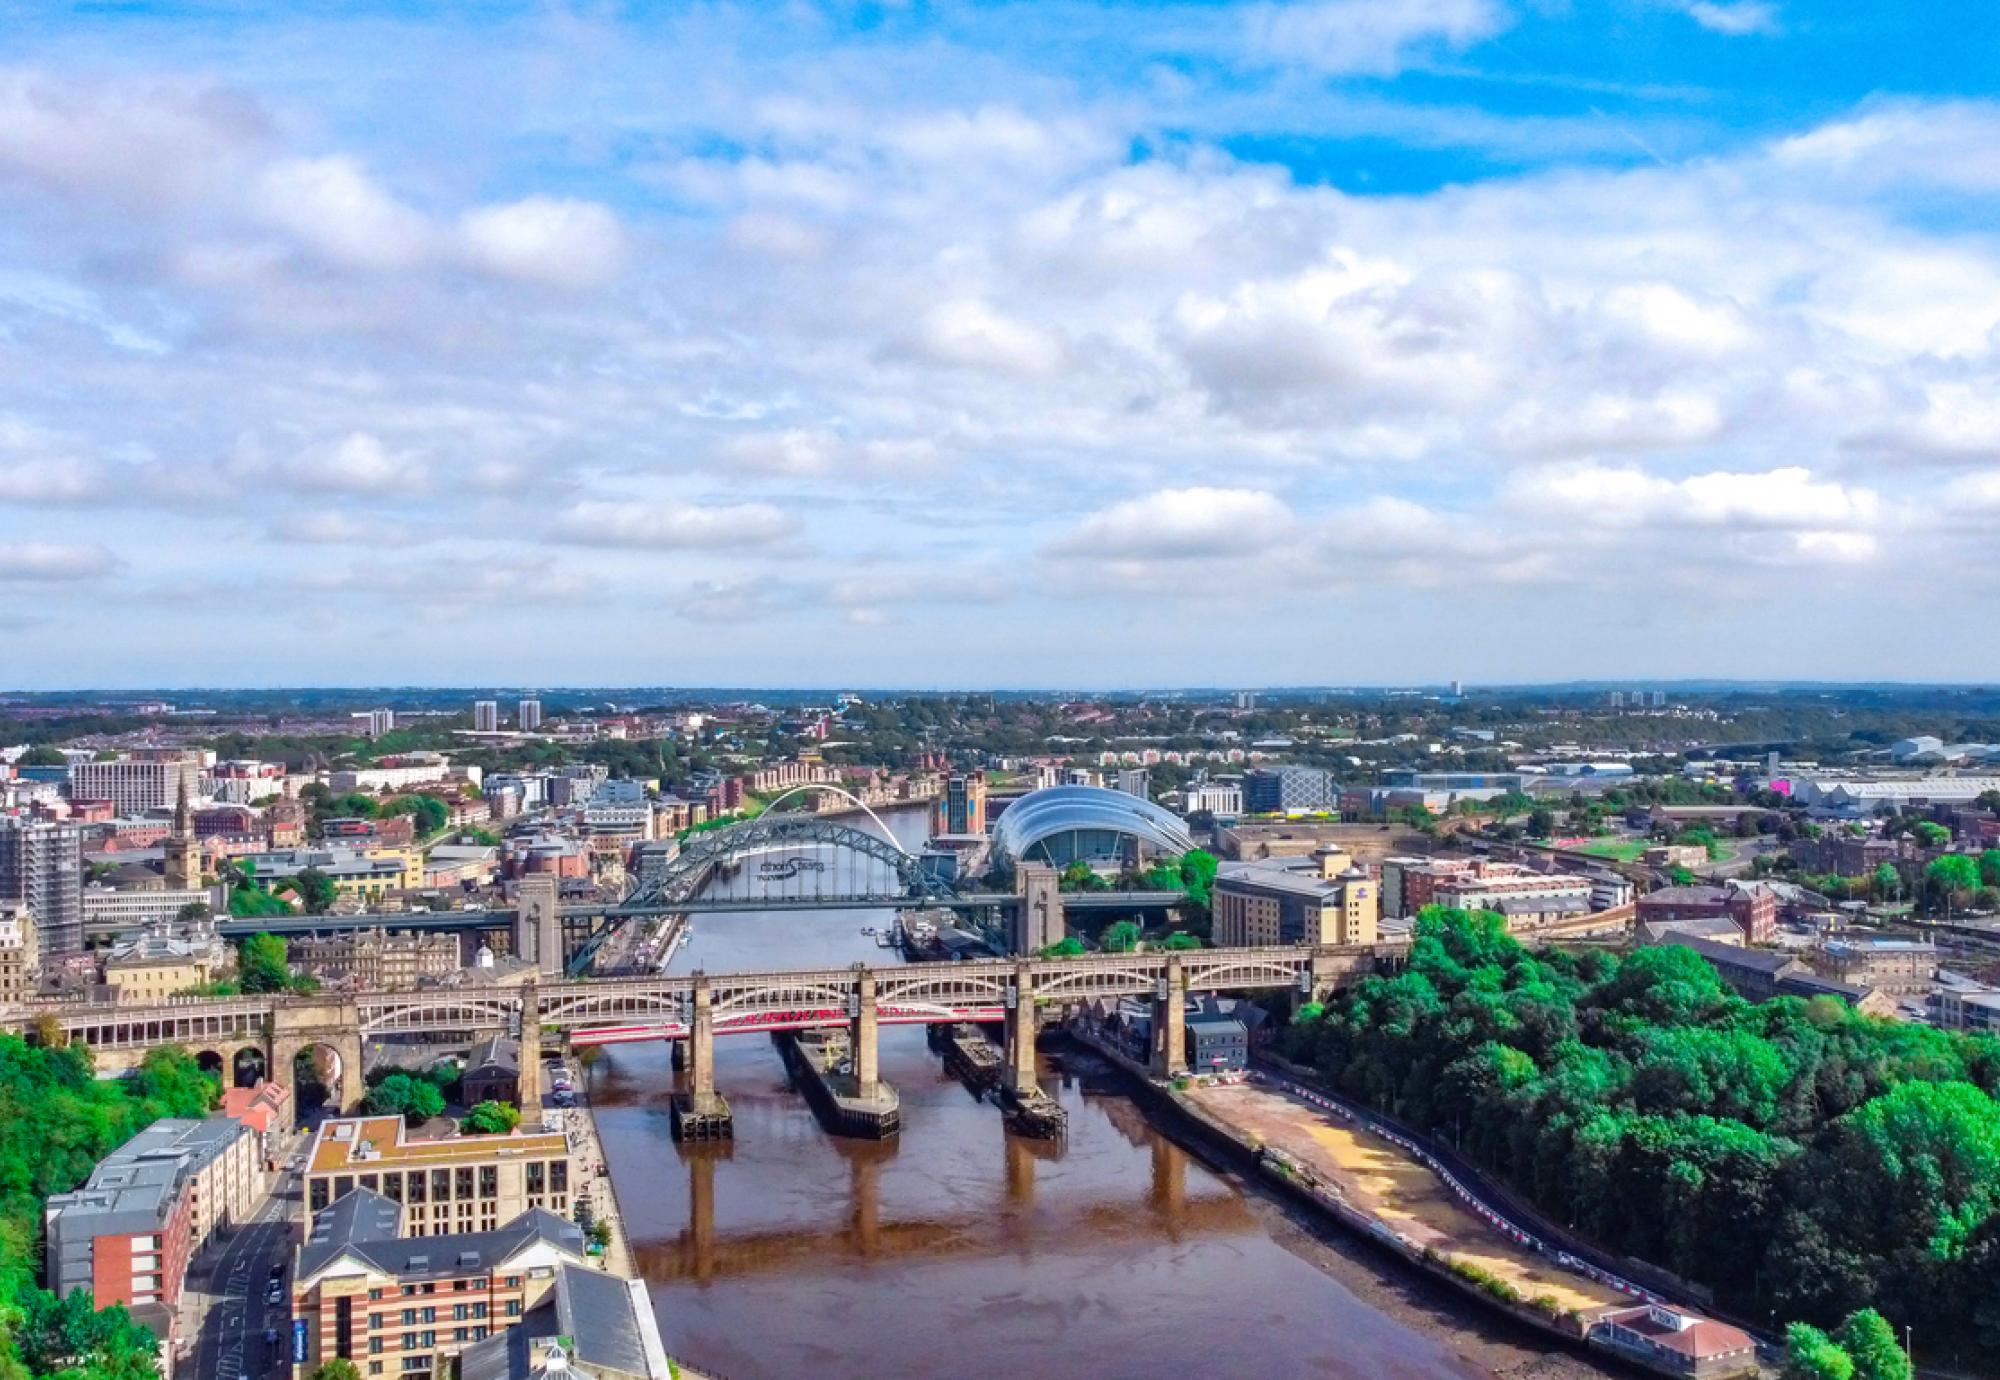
1060, 825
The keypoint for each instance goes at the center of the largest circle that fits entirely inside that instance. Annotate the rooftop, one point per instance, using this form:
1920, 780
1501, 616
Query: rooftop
366, 1226
379, 1142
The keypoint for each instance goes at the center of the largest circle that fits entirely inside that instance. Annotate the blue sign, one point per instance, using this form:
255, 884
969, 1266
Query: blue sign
299, 1339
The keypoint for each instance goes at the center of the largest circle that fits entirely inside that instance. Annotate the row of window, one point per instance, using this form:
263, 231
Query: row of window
465, 1183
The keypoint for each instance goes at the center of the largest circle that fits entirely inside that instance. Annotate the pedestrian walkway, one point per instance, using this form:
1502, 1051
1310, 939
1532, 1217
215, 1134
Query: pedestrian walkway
594, 1179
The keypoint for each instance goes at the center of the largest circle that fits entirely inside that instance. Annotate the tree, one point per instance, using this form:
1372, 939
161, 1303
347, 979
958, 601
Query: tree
391, 1096
68, 1336
1812, 1355
193, 911
1541, 823
1888, 881
1869, 1340
1932, 834
315, 890
425, 1101
1122, 936
600, 1233
1989, 867
263, 964
339, 1368
490, 1118
1069, 946
1181, 939
1951, 874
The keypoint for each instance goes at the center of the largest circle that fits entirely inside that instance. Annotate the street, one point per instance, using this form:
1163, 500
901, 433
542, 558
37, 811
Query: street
230, 1343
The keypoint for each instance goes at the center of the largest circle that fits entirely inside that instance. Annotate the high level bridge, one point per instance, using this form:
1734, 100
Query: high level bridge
700, 1006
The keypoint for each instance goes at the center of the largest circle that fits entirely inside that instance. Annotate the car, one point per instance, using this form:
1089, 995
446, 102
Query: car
278, 1271
275, 1294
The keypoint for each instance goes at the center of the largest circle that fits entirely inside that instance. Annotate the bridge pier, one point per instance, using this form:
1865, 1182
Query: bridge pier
538, 935
1170, 1021
1038, 918
862, 1041
1019, 1076
531, 1054
296, 1028
701, 1113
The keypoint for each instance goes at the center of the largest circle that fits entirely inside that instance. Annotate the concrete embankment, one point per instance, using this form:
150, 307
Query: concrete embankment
1376, 1190
843, 1106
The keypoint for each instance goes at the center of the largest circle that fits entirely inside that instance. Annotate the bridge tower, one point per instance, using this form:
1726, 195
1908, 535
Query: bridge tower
1038, 919
1170, 1021
1020, 1071
538, 935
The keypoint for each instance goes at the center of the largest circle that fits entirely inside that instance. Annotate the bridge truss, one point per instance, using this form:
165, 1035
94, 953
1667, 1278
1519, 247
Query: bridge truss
790, 860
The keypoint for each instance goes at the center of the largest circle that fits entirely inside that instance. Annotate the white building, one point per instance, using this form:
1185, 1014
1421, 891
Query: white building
1216, 797
529, 715
380, 722
136, 786
485, 716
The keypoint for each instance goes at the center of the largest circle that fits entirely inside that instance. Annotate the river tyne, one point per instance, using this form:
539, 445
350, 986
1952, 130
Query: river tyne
958, 1250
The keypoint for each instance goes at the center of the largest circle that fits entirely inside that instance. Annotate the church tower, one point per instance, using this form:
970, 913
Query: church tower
183, 854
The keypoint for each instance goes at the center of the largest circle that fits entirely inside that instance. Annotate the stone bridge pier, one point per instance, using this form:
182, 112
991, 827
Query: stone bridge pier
1019, 1075
1170, 1021
336, 1025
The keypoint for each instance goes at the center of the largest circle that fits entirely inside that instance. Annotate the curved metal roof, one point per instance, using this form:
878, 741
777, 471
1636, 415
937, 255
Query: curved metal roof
1056, 809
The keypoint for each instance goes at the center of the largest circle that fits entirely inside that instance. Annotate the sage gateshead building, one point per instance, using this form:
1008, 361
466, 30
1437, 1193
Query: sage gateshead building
1060, 825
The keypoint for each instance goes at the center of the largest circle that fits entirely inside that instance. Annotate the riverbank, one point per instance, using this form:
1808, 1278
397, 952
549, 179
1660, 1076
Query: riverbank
1367, 1184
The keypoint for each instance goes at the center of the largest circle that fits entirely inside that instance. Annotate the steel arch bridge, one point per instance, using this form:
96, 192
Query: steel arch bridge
792, 858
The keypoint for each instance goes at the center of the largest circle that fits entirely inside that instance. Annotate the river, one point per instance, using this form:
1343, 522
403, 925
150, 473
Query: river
956, 1249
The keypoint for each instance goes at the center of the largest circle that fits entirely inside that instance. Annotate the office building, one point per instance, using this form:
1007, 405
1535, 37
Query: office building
381, 722
1322, 899
1215, 797
137, 785
1288, 790
591, 1326
485, 716
41, 866
1900, 967
961, 805
20, 953
1136, 781
529, 715
468, 1183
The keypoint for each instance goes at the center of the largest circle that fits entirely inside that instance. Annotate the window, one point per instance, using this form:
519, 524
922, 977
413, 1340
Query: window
343, 1184
478, 1334
377, 1321
459, 1286
537, 1178
441, 1185
409, 1317
513, 1281
458, 1313
513, 1308
430, 1315
374, 1346
416, 1186
427, 1339
458, 1334
478, 1310
374, 1293
392, 1187
489, 1181
559, 1176
319, 1195
409, 1341
463, 1182
372, 1182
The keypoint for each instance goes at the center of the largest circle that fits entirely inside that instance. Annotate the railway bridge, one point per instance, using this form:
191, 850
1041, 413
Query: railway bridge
700, 1006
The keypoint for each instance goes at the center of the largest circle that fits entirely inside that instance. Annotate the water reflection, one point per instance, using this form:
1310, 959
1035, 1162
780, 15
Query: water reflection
955, 1248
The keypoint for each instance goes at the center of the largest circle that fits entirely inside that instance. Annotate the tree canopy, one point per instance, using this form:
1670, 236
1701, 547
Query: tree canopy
1791, 1154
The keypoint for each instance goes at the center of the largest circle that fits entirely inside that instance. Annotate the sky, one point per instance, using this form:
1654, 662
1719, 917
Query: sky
998, 344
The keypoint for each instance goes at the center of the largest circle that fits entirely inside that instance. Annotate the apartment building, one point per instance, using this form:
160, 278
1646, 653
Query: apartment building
394, 1302
1754, 908
372, 961
467, 1183
1900, 967
1324, 899
138, 785
41, 866
20, 952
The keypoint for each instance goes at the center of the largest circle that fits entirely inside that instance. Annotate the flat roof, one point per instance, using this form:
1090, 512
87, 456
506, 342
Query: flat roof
384, 1135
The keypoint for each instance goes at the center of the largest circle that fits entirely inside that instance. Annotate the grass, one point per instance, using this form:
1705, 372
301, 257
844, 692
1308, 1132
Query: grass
1617, 850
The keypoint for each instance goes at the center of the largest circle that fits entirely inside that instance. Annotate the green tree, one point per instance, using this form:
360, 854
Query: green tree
425, 1101
315, 890
1888, 881
1812, 1355
1989, 867
1122, 936
339, 1368
70, 1338
1181, 939
1869, 1340
391, 1096
263, 964
1931, 834
490, 1118
1541, 823
1951, 874
1069, 946
1198, 868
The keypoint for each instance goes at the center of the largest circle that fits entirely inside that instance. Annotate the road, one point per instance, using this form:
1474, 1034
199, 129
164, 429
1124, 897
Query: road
230, 1343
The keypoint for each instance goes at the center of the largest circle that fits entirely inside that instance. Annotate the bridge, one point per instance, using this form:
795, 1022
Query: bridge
698, 1007
793, 861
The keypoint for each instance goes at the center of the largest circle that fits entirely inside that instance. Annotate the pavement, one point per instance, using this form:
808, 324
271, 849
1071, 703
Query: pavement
594, 1176
225, 1293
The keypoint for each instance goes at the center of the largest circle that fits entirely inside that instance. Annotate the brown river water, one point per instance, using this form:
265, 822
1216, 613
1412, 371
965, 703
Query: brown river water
958, 1250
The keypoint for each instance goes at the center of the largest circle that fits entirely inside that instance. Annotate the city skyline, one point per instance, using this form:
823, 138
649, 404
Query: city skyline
878, 345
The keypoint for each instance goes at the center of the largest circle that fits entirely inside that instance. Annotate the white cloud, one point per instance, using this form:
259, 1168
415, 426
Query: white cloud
671, 525
37, 562
332, 207
1790, 497
558, 242
1369, 37
1735, 18
358, 463
1182, 524
153, 142
972, 335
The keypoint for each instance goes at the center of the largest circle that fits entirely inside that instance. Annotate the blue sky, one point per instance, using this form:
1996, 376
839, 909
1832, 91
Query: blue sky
1307, 341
